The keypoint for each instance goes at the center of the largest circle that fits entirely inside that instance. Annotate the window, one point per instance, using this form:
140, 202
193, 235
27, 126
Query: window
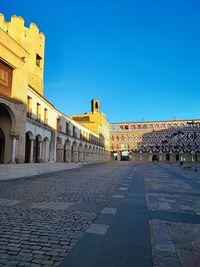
58, 124
74, 131
45, 116
67, 128
5, 79
38, 112
29, 106
38, 60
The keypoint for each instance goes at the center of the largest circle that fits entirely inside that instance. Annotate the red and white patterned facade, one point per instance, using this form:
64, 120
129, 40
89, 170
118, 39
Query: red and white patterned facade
166, 140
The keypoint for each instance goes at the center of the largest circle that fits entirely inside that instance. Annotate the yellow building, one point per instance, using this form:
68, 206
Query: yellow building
31, 128
96, 121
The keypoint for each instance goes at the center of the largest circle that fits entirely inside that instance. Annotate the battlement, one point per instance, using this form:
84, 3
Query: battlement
15, 28
33, 42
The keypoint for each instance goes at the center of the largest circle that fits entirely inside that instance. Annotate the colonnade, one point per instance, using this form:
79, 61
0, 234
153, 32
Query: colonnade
80, 153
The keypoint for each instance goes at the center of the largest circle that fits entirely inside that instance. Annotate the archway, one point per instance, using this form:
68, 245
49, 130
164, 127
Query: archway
155, 158
74, 152
2, 146
38, 149
167, 157
46, 150
59, 150
80, 153
6, 127
67, 151
28, 148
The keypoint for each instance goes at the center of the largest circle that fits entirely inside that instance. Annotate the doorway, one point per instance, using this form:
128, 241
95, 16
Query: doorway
2, 146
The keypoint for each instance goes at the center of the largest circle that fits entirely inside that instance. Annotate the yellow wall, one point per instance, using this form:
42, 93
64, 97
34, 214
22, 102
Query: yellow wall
23, 44
97, 123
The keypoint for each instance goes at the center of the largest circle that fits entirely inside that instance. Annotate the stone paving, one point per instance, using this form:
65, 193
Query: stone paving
42, 218
173, 194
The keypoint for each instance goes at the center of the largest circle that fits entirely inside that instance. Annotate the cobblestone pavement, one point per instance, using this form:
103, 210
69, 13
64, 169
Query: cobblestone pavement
43, 217
173, 198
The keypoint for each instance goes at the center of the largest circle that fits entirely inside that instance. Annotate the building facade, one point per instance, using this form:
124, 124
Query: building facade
175, 140
31, 128
96, 121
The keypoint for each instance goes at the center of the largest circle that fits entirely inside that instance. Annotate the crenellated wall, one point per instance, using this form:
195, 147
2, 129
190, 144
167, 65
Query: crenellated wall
33, 42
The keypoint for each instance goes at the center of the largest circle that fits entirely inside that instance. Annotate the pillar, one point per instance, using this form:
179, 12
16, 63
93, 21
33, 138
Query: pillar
14, 142
80, 154
75, 154
68, 154
31, 150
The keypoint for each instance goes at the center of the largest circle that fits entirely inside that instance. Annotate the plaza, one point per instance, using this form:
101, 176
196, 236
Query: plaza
79, 190
106, 214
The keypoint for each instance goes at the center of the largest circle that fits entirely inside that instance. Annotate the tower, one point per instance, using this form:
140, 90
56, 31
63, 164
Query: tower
95, 106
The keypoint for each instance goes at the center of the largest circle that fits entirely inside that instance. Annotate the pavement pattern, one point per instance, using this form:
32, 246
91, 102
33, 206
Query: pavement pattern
116, 214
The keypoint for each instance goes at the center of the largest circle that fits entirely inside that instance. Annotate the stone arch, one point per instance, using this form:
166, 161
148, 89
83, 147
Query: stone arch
46, 150
80, 145
67, 151
2, 146
80, 153
67, 143
38, 149
7, 126
74, 152
29, 147
59, 150
4, 107
85, 153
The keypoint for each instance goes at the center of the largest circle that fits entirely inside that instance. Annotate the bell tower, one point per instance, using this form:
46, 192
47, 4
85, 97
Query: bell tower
95, 106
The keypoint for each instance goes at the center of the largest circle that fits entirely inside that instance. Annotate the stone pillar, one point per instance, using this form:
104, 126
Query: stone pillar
89, 155
40, 159
150, 156
172, 157
75, 154
85, 155
14, 142
31, 150
68, 154
80, 155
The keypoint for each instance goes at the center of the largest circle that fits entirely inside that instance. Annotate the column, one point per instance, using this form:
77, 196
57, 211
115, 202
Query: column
14, 141
68, 154
75, 154
39, 151
81, 155
31, 151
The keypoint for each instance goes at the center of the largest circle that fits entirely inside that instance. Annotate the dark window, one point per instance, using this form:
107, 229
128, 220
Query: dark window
38, 60
74, 131
67, 128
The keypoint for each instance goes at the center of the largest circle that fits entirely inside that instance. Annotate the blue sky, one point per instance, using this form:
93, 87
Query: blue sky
140, 58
